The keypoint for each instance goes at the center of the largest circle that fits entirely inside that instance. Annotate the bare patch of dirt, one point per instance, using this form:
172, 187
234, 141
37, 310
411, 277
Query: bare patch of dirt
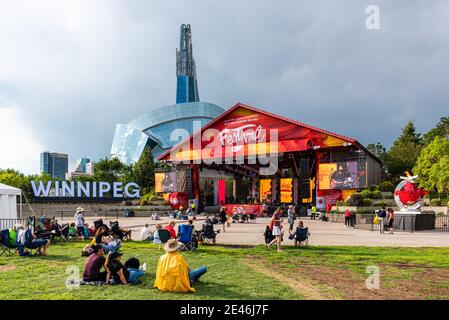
7, 268
396, 283
309, 290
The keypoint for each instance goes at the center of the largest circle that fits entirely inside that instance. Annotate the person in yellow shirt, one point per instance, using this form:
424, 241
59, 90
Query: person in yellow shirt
173, 273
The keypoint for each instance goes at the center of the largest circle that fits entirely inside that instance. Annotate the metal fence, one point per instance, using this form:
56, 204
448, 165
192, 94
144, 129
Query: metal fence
441, 225
9, 223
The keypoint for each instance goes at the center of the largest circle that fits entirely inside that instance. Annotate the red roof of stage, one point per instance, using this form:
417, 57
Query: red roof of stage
268, 115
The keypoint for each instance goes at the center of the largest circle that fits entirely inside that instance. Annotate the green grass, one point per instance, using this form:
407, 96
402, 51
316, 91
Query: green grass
228, 276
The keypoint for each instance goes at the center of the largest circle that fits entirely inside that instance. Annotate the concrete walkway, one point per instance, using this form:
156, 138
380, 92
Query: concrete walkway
322, 234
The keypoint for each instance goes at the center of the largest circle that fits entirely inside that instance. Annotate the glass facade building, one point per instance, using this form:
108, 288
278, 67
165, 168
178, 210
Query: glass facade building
161, 129
54, 164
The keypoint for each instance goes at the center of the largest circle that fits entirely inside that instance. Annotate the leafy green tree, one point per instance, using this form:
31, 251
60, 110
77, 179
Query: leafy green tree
439, 176
109, 170
441, 129
409, 134
431, 162
404, 152
378, 150
144, 170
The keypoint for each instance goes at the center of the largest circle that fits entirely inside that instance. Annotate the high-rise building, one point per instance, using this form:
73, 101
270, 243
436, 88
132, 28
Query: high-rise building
187, 85
54, 164
81, 165
153, 129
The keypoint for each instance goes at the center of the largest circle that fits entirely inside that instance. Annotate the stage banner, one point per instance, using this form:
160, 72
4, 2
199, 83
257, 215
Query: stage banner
243, 209
158, 178
287, 190
265, 189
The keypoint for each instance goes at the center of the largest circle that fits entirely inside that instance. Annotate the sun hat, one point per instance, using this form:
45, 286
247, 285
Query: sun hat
79, 209
19, 226
172, 245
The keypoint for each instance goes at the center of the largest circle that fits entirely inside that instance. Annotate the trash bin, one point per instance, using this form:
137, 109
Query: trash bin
129, 213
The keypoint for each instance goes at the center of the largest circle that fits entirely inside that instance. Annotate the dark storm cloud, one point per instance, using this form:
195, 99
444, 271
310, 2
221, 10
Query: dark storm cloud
312, 61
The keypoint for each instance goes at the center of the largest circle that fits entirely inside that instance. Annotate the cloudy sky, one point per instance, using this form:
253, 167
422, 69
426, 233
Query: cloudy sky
71, 70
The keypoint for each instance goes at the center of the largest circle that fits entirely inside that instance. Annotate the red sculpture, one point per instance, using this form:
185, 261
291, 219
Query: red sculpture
409, 193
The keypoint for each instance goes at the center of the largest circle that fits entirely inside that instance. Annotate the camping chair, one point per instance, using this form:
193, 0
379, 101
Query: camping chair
244, 218
208, 233
302, 235
25, 248
185, 237
164, 236
118, 233
5, 244
253, 217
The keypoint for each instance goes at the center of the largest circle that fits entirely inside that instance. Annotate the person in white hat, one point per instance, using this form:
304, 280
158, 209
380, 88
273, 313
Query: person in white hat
173, 273
79, 221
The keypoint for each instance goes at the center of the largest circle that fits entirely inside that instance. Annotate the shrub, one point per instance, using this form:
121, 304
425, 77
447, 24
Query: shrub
380, 204
373, 187
156, 198
435, 202
365, 211
376, 195
143, 202
366, 202
366, 194
356, 199
386, 186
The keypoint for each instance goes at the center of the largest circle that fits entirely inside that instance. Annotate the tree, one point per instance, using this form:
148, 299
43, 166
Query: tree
109, 170
439, 176
441, 129
378, 150
404, 152
409, 134
144, 170
430, 163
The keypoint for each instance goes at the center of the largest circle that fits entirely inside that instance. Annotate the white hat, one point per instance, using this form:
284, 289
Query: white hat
80, 209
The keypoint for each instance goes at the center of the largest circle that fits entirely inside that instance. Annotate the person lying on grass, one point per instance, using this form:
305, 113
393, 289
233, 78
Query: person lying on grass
122, 274
173, 273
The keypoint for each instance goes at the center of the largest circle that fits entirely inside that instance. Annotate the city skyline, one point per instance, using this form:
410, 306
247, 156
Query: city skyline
73, 71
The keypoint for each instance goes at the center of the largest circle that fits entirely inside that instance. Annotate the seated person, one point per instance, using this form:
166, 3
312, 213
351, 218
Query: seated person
173, 273
88, 231
102, 240
171, 228
135, 270
301, 234
72, 230
146, 234
156, 238
26, 238
122, 274
95, 262
194, 233
55, 227
155, 216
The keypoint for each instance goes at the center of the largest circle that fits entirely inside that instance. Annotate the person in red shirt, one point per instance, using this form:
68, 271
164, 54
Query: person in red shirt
347, 218
171, 229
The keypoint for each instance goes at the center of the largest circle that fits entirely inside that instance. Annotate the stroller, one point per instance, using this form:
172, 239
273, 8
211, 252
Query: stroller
118, 233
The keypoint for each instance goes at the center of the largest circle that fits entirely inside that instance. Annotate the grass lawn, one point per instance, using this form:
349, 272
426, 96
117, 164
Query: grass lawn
244, 273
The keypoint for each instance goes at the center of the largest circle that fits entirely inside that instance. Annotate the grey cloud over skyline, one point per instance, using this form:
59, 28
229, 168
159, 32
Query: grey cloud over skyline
74, 69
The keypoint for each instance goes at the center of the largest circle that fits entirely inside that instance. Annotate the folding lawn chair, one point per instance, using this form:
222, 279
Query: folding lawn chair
185, 237
5, 244
164, 236
302, 235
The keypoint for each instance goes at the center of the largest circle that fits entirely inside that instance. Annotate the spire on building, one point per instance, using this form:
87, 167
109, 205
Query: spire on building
187, 85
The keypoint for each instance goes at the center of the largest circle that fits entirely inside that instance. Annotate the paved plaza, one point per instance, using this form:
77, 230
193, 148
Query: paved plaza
322, 234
